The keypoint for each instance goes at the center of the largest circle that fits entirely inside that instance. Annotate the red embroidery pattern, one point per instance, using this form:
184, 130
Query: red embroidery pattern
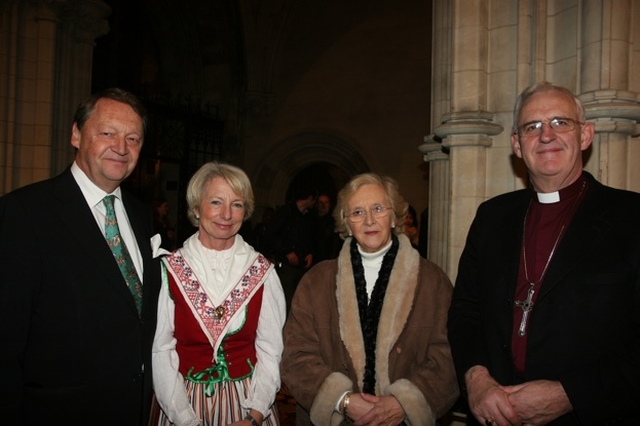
214, 322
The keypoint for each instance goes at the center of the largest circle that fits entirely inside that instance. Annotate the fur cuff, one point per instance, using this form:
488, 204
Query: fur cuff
413, 402
323, 408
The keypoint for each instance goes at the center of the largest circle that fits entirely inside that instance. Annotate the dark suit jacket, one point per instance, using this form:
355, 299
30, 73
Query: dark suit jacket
584, 329
289, 231
73, 346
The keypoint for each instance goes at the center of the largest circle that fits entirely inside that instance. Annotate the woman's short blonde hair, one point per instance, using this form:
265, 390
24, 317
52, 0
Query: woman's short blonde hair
234, 176
390, 186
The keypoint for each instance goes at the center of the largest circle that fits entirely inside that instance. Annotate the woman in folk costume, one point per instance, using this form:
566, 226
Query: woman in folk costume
219, 337
366, 336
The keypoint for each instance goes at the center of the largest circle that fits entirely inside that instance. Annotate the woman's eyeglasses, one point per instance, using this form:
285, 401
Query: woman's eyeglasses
358, 215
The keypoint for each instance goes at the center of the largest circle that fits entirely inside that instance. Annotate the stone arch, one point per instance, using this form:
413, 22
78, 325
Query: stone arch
295, 153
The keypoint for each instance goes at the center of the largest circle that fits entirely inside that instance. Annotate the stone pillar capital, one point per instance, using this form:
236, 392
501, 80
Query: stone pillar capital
613, 111
468, 123
432, 149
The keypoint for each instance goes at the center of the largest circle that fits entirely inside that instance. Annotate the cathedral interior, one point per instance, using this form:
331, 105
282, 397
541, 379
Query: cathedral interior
315, 92
308, 92
294, 92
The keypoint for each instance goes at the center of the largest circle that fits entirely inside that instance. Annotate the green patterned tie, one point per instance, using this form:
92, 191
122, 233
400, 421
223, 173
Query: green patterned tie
120, 252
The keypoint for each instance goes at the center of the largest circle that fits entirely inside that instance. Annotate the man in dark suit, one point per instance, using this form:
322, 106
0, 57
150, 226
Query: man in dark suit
326, 241
544, 324
76, 349
289, 240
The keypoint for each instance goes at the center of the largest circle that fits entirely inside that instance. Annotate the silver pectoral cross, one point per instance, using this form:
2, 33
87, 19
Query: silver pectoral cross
527, 306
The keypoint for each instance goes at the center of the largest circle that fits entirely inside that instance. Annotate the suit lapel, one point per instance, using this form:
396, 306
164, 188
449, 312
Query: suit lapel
512, 230
142, 233
86, 239
581, 238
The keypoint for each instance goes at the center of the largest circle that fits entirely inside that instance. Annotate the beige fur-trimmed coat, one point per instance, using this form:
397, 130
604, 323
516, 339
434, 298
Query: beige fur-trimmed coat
324, 353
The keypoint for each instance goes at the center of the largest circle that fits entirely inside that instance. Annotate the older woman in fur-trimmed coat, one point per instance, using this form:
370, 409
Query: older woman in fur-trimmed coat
366, 337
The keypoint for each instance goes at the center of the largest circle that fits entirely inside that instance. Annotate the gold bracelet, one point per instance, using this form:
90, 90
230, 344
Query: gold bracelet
341, 405
345, 403
252, 420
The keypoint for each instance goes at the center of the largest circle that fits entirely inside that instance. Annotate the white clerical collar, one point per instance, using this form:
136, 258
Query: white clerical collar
548, 197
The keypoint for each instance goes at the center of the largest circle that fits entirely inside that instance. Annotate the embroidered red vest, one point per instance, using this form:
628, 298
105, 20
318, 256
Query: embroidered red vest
195, 350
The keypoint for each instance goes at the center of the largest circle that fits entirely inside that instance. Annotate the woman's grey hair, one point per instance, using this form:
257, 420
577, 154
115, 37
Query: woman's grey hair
544, 86
390, 186
234, 176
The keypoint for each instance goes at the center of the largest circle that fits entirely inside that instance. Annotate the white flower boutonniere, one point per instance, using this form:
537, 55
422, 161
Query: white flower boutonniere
156, 250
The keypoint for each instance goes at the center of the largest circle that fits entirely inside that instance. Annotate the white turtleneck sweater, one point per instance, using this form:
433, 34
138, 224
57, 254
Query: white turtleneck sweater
372, 262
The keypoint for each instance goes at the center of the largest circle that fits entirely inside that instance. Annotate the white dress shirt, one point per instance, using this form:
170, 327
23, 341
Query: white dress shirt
94, 195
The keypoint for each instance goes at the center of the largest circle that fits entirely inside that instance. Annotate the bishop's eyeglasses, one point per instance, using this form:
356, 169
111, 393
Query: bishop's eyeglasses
378, 211
557, 124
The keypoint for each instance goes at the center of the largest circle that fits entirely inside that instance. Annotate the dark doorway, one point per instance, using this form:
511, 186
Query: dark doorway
317, 176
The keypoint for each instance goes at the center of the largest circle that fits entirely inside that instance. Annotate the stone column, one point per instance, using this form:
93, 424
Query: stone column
9, 42
438, 225
432, 149
81, 23
608, 81
466, 136
614, 156
458, 172
27, 74
38, 93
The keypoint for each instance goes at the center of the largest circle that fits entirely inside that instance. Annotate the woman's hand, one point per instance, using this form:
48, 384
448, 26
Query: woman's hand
358, 406
384, 411
245, 422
